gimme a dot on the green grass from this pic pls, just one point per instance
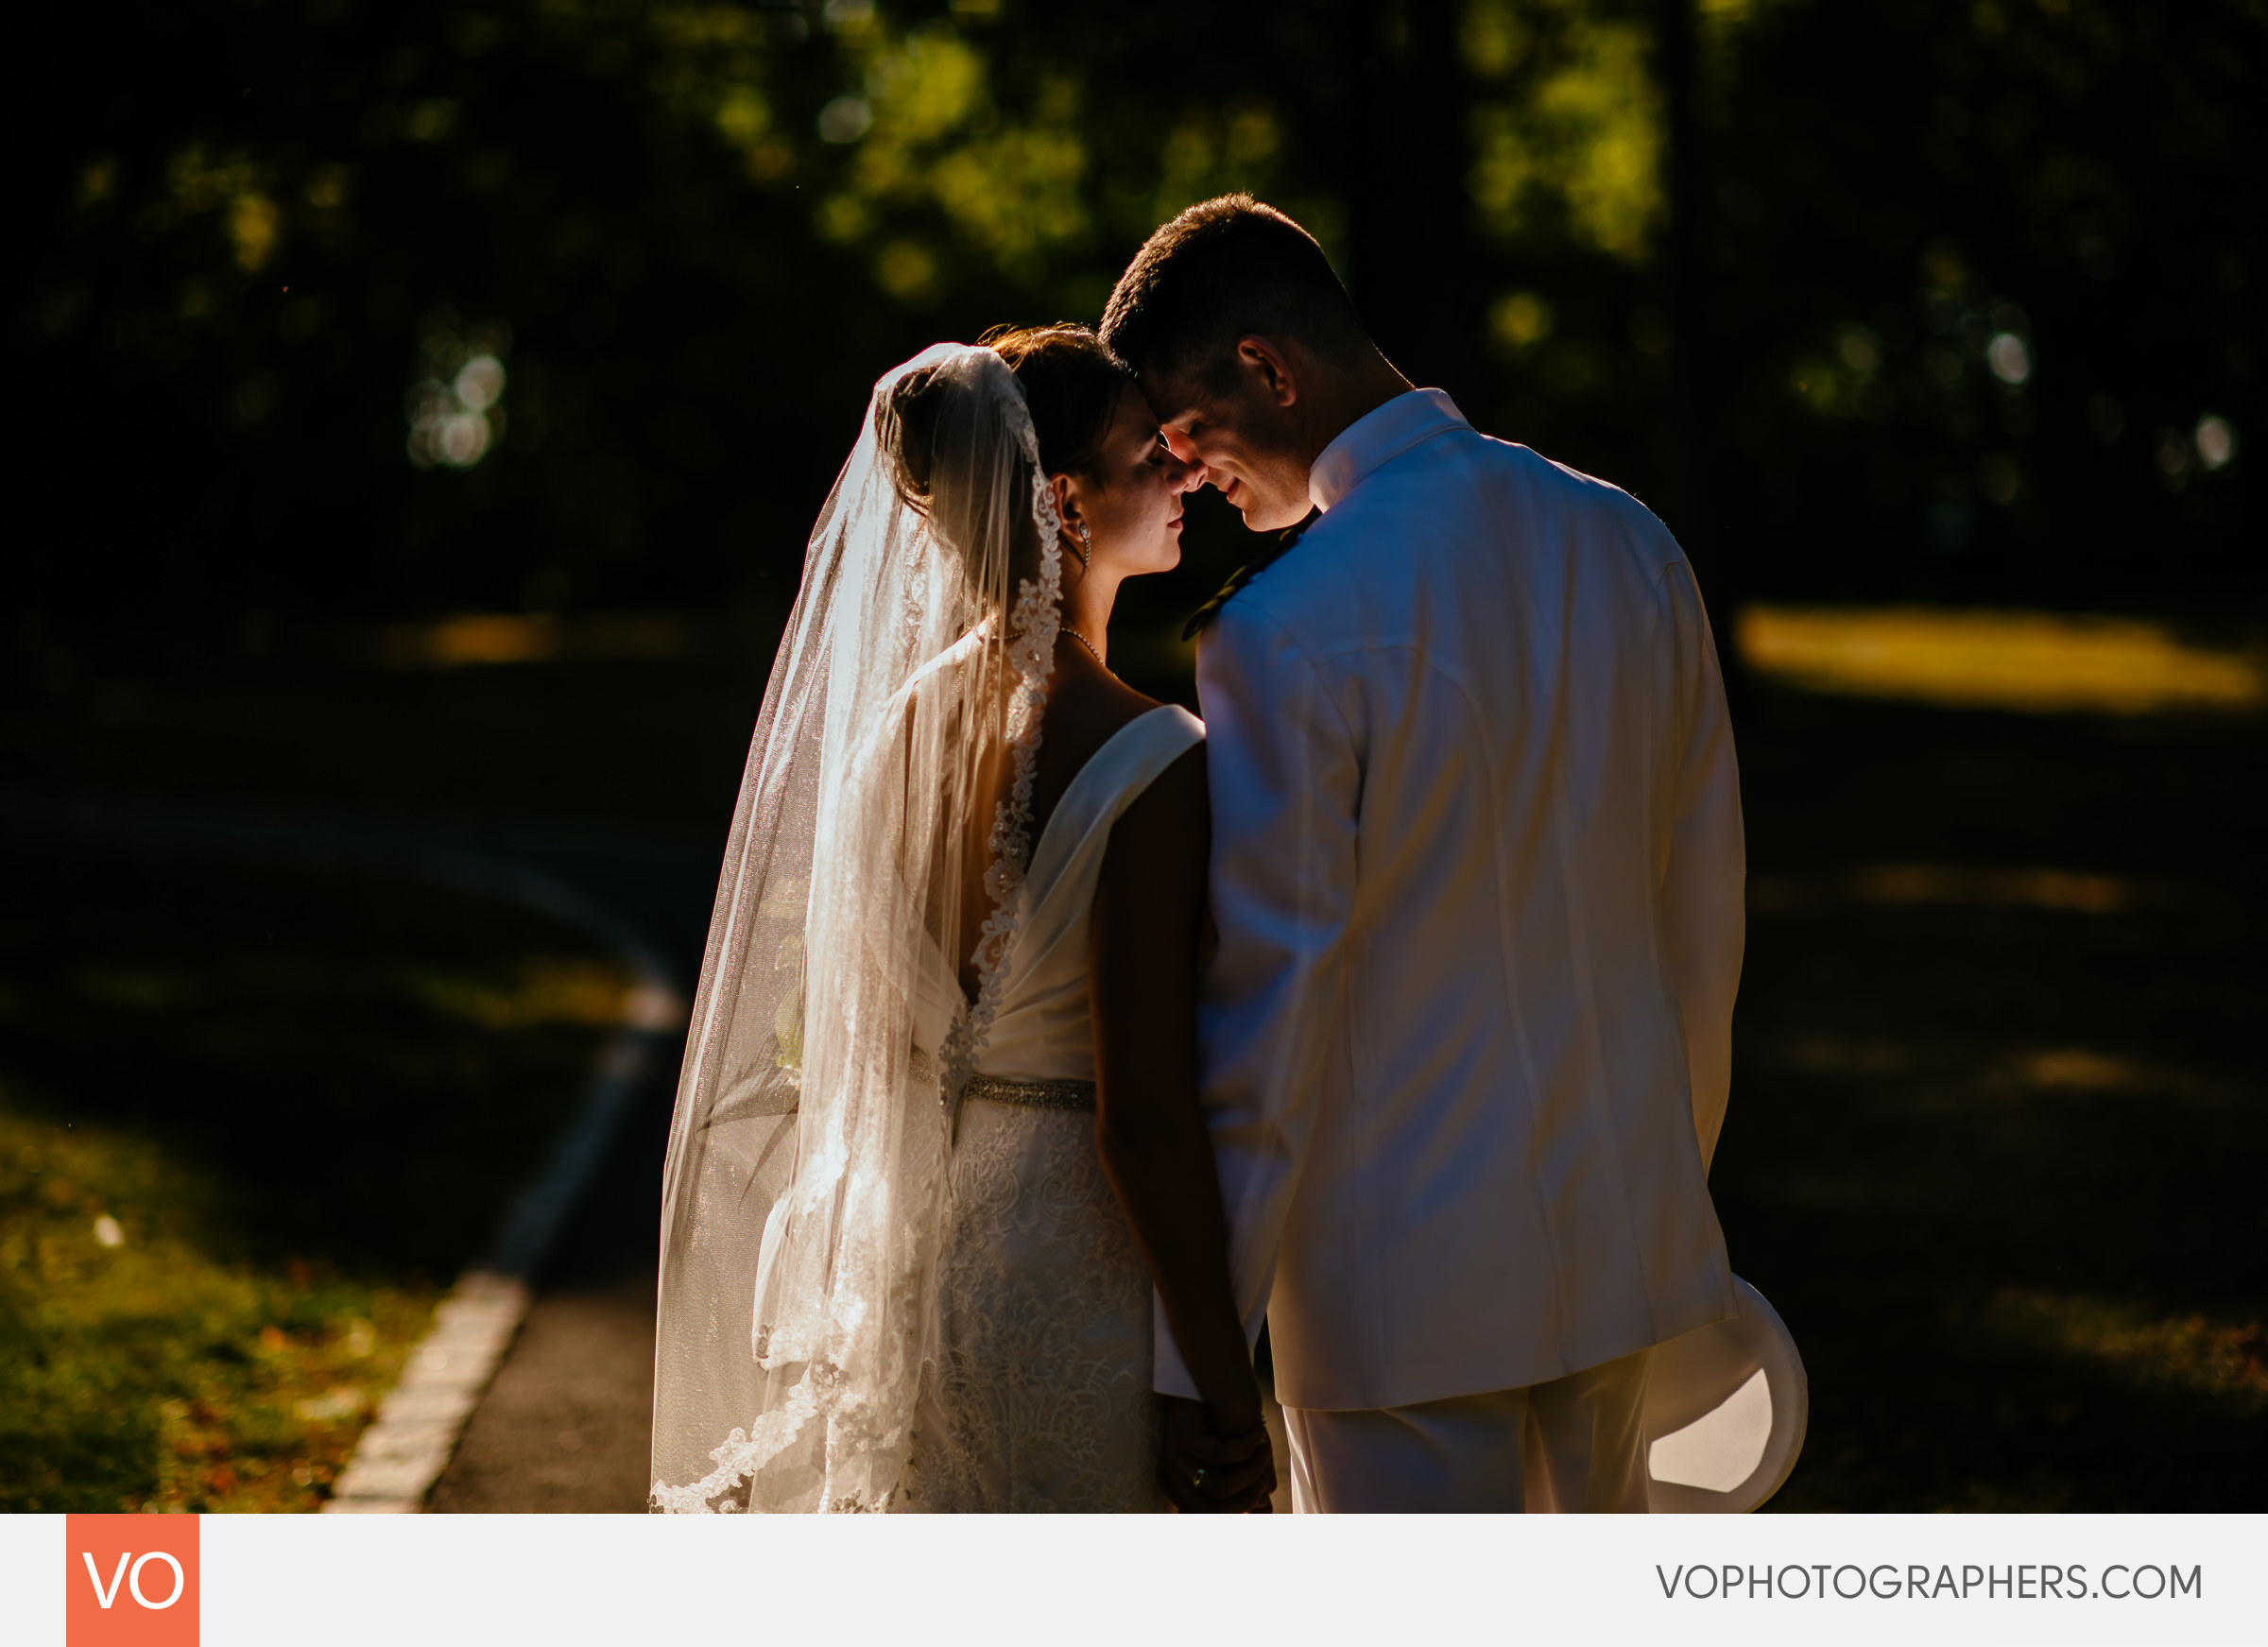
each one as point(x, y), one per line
point(295, 1106)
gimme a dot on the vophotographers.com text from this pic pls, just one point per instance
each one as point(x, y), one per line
point(1888, 1581)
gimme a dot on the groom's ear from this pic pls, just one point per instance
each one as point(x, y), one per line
point(1266, 366)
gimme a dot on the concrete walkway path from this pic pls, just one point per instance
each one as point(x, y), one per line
point(566, 1424)
point(567, 1421)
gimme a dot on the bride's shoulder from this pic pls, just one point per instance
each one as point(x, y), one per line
point(1085, 715)
point(1102, 709)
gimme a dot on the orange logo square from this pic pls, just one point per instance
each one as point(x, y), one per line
point(131, 1581)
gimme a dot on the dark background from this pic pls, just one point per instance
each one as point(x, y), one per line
point(1747, 257)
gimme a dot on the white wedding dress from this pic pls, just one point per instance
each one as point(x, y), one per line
point(1038, 1398)
point(892, 1273)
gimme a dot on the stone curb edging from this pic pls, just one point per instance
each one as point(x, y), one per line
point(405, 1450)
point(421, 1420)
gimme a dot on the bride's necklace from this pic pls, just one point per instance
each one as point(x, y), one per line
point(1088, 644)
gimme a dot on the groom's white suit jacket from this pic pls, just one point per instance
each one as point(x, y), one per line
point(1477, 867)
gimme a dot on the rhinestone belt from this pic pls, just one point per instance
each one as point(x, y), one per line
point(1033, 1095)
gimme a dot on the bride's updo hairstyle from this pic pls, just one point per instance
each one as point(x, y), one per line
point(915, 422)
point(1071, 383)
point(953, 460)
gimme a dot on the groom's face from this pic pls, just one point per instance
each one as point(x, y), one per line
point(1244, 433)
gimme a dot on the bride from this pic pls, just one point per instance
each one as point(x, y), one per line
point(937, 1138)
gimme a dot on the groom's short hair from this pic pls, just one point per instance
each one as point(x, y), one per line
point(1222, 270)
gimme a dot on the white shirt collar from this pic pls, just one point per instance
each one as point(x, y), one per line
point(1379, 434)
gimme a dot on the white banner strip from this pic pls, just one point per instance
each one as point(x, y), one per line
point(429, 1581)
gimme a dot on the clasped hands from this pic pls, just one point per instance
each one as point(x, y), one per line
point(1206, 1470)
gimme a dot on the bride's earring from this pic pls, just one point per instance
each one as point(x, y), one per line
point(1081, 546)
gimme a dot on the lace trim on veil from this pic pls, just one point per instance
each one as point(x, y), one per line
point(741, 1457)
point(1033, 628)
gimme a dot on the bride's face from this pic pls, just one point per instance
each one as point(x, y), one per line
point(1130, 504)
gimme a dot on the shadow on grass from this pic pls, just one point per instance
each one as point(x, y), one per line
point(250, 1124)
point(1996, 1135)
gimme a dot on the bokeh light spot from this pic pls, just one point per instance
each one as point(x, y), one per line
point(463, 439)
point(2008, 356)
point(1520, 319)
point(431, 120)
point(2216, 441)
point(846, 120)
point(253, 221)
point(455, 412)
point(906, 271)
point(480, 382)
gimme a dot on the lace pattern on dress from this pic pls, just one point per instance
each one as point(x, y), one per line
point(1038, 1398)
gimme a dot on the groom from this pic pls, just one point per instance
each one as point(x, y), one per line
point(1477, 868)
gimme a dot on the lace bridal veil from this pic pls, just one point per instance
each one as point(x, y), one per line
point(830, 1039)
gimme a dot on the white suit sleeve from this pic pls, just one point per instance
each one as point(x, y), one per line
point(1286, 782)
point(1703, 892)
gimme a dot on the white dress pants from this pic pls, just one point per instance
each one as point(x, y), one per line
point(1573, 1444)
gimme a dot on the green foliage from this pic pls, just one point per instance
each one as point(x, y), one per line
point(1566, 127)
point(1906, 187)
point(685, 237)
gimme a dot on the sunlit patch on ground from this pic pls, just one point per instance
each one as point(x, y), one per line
point(2034, 662)
point(2219, 1359)
point(512, 637)
point(1957, 884)
point(2082, 1070)
point(2042, 1070)
point(547, 991)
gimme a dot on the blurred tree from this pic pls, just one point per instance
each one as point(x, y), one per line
point(1981, 271)
point(554, 302)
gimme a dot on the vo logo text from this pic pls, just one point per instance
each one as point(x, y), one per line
point(131, 1581)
